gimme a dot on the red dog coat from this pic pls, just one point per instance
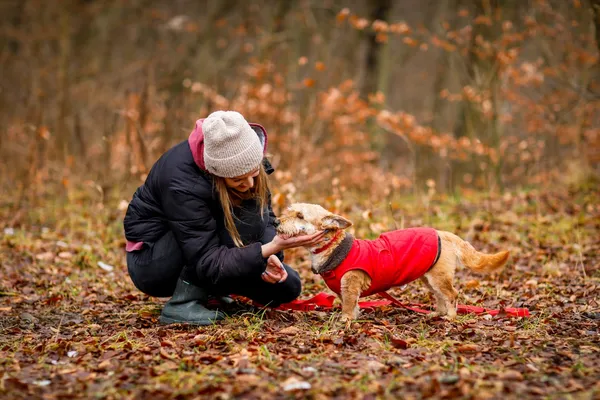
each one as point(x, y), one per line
point(394, 259)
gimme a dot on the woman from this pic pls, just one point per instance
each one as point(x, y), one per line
point(202, 224)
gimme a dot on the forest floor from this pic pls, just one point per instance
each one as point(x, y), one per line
point(72, 325)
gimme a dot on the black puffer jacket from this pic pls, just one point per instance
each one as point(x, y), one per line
point(178, 195)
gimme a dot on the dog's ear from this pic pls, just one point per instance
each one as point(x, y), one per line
point(334, 221)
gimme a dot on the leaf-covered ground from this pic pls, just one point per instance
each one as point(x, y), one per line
point(73, 326)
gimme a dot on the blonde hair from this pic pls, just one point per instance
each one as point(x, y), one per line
point(227, 198)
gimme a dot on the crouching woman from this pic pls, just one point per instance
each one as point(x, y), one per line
point(202, 224)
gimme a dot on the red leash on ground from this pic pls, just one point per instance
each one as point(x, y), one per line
point(325, 301)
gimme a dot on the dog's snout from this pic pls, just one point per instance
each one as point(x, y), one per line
point(276, 222)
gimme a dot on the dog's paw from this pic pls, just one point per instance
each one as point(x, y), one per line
point(346, 321)
point(434, 315)
point(348, 324)
point(447, 316)
point(451, 316)
point(345, 318)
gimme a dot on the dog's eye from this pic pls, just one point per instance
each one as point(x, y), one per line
point(300, 215)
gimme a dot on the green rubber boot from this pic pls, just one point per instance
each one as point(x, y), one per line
point(187, 307)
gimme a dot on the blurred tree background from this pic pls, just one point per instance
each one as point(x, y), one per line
point(479, 117)
point(358, 96)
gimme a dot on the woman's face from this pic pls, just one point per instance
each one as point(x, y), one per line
point(242, 183)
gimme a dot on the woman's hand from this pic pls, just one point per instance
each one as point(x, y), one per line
point(284, 242)
point(280, 243)
point(275, 272)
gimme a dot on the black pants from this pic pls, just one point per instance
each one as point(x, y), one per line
point(156, 268)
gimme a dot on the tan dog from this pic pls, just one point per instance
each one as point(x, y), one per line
point(356, 268)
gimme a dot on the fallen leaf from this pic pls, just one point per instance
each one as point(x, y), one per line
point(399, 343)
point(532, 283)
point(67, 371)
point(201, 339)
point(290, 330)
point(28, 317)
point(165, 354)
point(473, 283)
point(467, 348)
point(532, 367)
point(106, 364)
point(293, 383)
point(511, 375)
point(374, 365)
point(311, 370)
point(241, 360)
point(45, 256)
point(105, 266)
point(248, 379)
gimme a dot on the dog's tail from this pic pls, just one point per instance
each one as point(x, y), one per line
point(475, 260)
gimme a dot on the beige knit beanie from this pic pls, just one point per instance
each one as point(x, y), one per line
point(231, 147)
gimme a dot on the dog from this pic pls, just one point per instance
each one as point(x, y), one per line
point(354, 268)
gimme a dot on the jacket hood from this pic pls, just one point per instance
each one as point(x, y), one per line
point(196, 141)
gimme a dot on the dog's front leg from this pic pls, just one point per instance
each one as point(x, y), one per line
point(352, 285)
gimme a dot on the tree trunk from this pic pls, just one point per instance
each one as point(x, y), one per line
point(371, 58)
point(593, 152)
point(596, 11)
point(63, 132)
